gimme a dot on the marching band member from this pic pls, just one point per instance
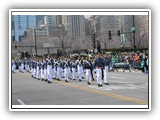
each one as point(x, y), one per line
point(66, 70)
point(73, 65)
point(80, 68)
point(88, 66)
point(49, 70)
point(98, 64)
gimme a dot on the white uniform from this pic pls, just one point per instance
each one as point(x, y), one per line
point(88, 71)
point(66, 71)
point(45, 70)
point(49, 71)
point(38, 71)
point(42, 70)
point(73, 70)
point(105, 74)
point(80, 70)
point(13, 66)
point(59, 71)
point(99, 76)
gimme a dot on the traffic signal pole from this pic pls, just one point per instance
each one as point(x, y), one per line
point(134, 39)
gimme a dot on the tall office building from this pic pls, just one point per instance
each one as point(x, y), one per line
point(75, 26)
point(52, 20)
point(20, 23)
point(106, 23)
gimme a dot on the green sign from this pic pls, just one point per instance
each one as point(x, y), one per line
point(122, 38)
point(133, 29)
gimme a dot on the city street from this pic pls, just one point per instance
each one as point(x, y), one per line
point(128, 88)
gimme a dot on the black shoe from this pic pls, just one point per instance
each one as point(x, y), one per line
point(49, 82)
point(46, 80)
point(99, 85)
point(88, 83)
point(73, 79)
point(106, 83)
point(42, 79)
point(82, 77)
point(66, 81)
point(92, 79)
point(59, 80)
point(38, 79)
point(80, 80)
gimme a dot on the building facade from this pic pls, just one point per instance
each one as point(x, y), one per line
point(75, 27)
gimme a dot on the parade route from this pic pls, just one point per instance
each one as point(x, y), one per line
point(124, 89)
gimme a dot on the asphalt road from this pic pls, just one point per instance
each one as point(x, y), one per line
point(124, 89)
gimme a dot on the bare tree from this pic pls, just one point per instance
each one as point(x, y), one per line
point(140, 39)
point(63, 40)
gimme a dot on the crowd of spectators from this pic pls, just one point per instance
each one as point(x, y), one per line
point(136, 60)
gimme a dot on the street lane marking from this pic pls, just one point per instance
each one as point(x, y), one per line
point(121, 87)
point(118, 78)
point(144, 102)
point(21, 102)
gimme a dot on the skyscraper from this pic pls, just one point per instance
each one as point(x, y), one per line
point(20, 23)
point(52, 20)
point(75, 26)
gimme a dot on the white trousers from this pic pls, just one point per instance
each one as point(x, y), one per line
point(42, 73)
point(73, 73)
point(80, 72)
point(34, 72)
point(45, 74)
point(38, 73)
point(88, 75)
point(59, 73)
point(13, 68)
point(99, 76)
point(66, 73)
point(105, 74)
point(54, 72)
point(22, 68)
point(49, 72)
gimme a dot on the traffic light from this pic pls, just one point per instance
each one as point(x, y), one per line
point(94, 40)
point(109, 33)
point(118, 33)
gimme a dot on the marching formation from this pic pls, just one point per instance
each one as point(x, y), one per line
point(48, 68)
